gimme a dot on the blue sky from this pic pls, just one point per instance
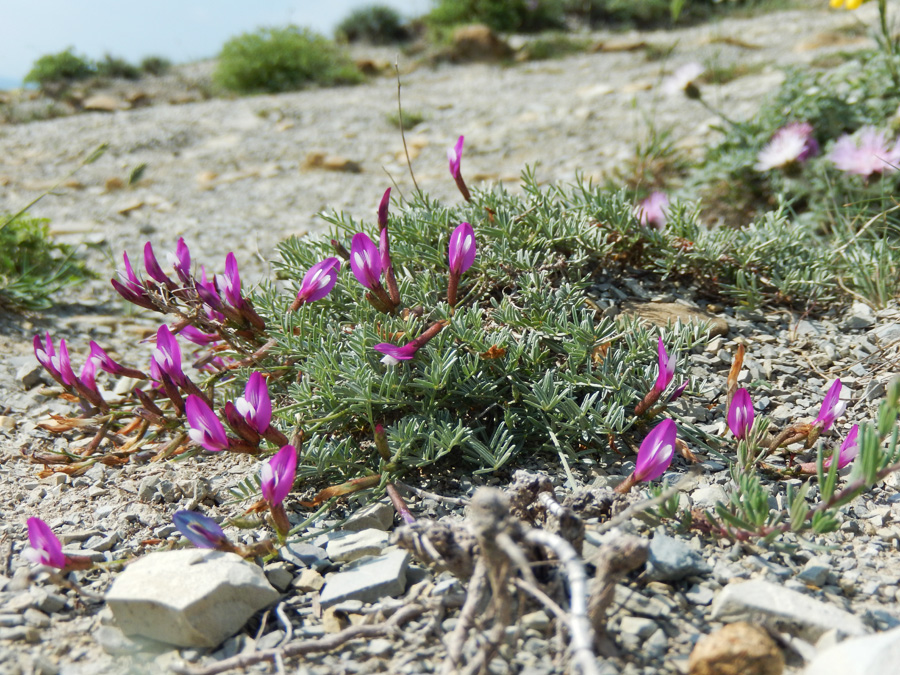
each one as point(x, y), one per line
point(180, 30)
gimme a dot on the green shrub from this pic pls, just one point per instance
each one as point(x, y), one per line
point(649, 13)
point(59, 68)
point(507, 16)
point(282, 59)
point(376, 24)
point(32, 266)
point(113, 66)
point(155, 65)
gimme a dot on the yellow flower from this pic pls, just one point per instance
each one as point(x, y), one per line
point(849, 4)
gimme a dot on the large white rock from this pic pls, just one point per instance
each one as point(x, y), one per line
point(783, 609)
point(189, 598)
point(870, 655)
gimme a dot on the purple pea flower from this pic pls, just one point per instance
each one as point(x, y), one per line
point(166, 357)
point(181, 261)
point(154, 271)
point(454, 157)
point(365, 261)
point(277, 475)
point(383, 209)
point(232, 282)
point(462, 248)
point(255, 406)
point(317, 282)
point(656, 452)
point(461, 255)
point(666, 367)
point(654, 456)
point(197, 336)
point(45, 548)
point(206, 429)
point(740, 414)
point(56, 364)
point(394, 354)
point(132, 289)
point(832, 407)
point(202, 531)
point(652, 211)
point(112, 367)
point(849, 449)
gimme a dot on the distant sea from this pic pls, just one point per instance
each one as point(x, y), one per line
point(9, 83)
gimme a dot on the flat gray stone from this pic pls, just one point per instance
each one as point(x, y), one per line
point(815, 573)
point(355, 545)
point(303, 555)
point(376, 516)
point(189, 598)
point(368, 580)
point(784, 610)
point(670, 559)
point(859, 656)
point(30, 375)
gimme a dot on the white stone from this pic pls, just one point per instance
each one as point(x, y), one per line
point(368, 580)
point(355, 545)
point(860, 656)
point(377, 516)
point(784, 609)
point(189, 598)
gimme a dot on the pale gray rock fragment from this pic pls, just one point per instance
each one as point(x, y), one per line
point(189, 598)
point(368, 579)
point(783, 609)
point(871, 655)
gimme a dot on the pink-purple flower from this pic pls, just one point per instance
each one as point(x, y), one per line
point(317, 282)
point(255, 406)
point(462, 248)
point(232, 282)
point(181, 261)
point(57, 364)
point(206, 428)
point(461, 255)
point(110, 366)
point(849, 449)
point(166, 358)
point(394, 354)
point(740, 414)
point(656, 452)
point(277, 475)
point(454, 157)
point(652, 210)
point(202, 531)
point(132, 289)
point(154, 271)
point(383, 209)
point(791, 144)
point(666, 367)
point(365, 261)
point(45, 548)
point(832, 407)
point(867, 152)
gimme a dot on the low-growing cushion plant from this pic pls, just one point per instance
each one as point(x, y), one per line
point(282, 59)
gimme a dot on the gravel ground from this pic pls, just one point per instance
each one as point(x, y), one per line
point(234, 175)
